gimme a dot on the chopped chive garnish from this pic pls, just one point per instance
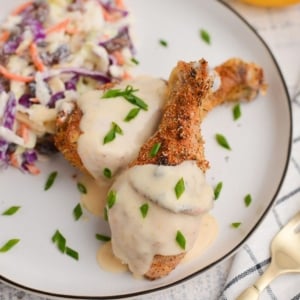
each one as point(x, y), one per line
point(11, 211)
point(217, 190)
point(107, 173)
point(248, 200)
point(135, 61)
point(77, 212)
point(105, 214)
point(179, 188)
point(163, 43)
point(50, 180)
point(180, 239)
point(154, 150)
point(111, 199)
point(9, 244)
point(144, 209)
point(61, 244)
point(236, 112)
point(205, 36)
point(102, 237)
point(81, 188)
point(222, 141)
point(111, 135)
point(72, 253)
point(127, 94)
point(132, 114)
point(236, 224)
point(59, 240)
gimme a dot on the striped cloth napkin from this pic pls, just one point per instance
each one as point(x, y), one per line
point(254, 257)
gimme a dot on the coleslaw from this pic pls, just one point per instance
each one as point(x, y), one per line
point(51, 51)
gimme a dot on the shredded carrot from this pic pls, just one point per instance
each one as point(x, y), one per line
point(21, 8)
point(15, 77)
point(119, 57)
point(59, 26)
point(120, 4)
point(33, 169)
point(109, 17)
point(4, 36)
point(23, 132)
point(72, 30)
point(126, 76)
point(34, 100)
point(35, 57)
point(13, 159)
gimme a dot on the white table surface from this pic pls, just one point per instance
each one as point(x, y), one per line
point(280, 28)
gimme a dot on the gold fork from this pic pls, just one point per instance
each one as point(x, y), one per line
point(285, 253)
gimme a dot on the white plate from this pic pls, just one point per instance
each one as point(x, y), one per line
point(257, 164)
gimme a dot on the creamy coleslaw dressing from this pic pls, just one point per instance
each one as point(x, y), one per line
point(136, 240)
point(96, 122)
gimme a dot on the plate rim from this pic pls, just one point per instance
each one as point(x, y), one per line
point(38, 292)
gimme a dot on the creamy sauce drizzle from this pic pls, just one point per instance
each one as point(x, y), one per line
point(96, 122)
point(136, 240)
point(95, 198)
point(157, 183)
point(107, 260)
point(208, 232)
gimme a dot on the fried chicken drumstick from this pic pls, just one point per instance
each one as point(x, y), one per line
point(238, 80)
point(177, 141)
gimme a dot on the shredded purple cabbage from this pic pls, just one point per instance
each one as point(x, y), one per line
point(108, 5)
point(3, 155)
point(24, 100)
point(9, 111)
point(29, 156)
point(12, 45)
point(55, 97)
point(119, 41)
point(97, 75)
point(71, 83)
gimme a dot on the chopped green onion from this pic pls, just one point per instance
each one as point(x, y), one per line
point(179, 188)
point(135, 61)
point(236, 224)
point(222, 141)
point(77, 212)
point(72, 253)
point(50, 180)
point(180, 239)
point(154, 150)
point(132, 114)
point(105, 214)
point(81, 188)
point(218, 189)
point(127, 94)
point(248, 200)
point(102, 237)
point(61, 244)
point(205, 36)
point(107, 173)
point(111, 135)
point(111, 199)
point(144, 209)
point(236, 111)
point(163, 43)
point(59, 240)
point(11, 211)
point(8, 245)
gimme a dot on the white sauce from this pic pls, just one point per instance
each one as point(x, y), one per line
point(95, 198)
point(157, 183)
point(136, 240)
point(98, 115)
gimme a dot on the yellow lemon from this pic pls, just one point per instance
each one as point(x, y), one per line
point(271, 3)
